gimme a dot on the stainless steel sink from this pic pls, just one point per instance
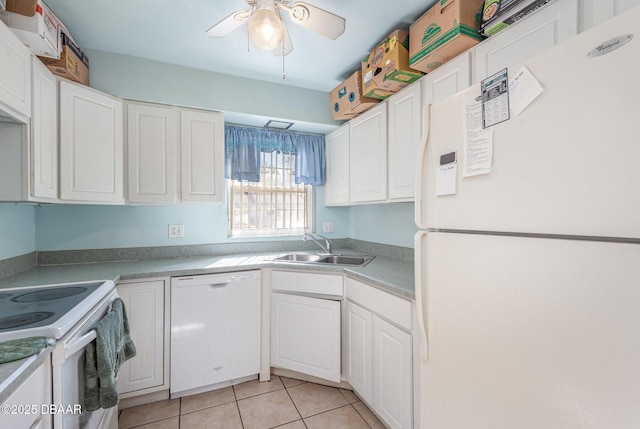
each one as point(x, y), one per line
point(299, 257)
point(325, 259)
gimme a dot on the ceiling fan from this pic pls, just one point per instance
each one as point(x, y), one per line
point(267, 29)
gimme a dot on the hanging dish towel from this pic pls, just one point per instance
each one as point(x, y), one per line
point(103, 357)
point(23, 347)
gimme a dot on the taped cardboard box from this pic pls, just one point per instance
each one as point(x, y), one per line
point(22, 7)
point(39, 32)
point(73, 63)
point(445, 31)
point(347, 100)
point(386, 70)
point(499, 14)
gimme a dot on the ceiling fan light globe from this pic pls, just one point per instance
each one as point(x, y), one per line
point(266, 29)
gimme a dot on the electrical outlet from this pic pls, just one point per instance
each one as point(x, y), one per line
point(327, 227)
point(176, 231)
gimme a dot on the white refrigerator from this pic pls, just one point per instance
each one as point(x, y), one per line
point(528, 275)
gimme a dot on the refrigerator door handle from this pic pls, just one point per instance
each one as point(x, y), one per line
point(419, 295)
point(420, 165)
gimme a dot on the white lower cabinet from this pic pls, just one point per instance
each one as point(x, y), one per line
point(31, 394)
point(305, 323)
point(392, 387)
point(145, 303)
point(379, 352)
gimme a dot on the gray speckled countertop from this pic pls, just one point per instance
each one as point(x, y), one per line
point(390, 274)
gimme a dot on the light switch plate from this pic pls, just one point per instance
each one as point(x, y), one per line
point(327, 227)
point(176, 231)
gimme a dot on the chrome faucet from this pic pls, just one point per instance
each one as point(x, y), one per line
point(327, 243)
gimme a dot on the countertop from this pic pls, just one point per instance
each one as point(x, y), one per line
point(389, 274)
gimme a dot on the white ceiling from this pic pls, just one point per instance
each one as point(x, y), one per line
point(174, 32)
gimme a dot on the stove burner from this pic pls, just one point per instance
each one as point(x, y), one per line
point(49, 294)
point(16, 321)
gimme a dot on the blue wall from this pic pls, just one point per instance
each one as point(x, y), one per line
point(24, 229)
point(17, 230)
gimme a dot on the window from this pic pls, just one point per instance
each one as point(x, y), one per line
point(275, 205)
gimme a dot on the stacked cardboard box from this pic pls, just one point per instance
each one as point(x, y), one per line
point(446, 30)
point(347, 100)
point(36, 26)
point(73, 64)
point(386, 69)
point(40, 29)
point(499, 14)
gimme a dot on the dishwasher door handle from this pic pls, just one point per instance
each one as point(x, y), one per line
point(219, 285)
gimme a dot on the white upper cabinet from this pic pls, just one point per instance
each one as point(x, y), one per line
point(368, 156)
point(451, 77)
point(544, 29)
point(594, 12)
point(404, 127)
point(15, 76)
point(174, 155)
point(336, 188)
point(153, 141)
point(202, 150)
point(91, 145)
point(44, 134)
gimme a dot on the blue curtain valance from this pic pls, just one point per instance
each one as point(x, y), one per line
point(244, 144)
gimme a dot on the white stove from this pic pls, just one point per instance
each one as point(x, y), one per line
point(48, 311)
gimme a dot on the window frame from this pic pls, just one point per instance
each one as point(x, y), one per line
point(288, 232)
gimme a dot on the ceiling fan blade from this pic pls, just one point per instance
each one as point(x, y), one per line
point(230, 23)
point(315, 19)
point(288, 46)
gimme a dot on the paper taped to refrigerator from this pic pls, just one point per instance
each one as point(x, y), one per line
point(478, 143)
point(523, 89)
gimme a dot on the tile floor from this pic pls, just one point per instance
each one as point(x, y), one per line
point(283, 403)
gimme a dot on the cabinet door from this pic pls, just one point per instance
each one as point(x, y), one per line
point(305, 335)
point(393, 388)
point(359, 371)
point(202, 140)
point(446, 80)
point(91, 145)
point(44, 133)
point(594, 12)
point(336, 188)
point(368, 156)
point(152, 153)
point(405, 126)
point(546, 28)
point(15, 74)
point(144, 302)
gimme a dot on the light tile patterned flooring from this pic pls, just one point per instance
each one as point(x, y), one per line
point(283, 403)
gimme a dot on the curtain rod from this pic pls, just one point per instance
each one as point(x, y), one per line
point(273, 129)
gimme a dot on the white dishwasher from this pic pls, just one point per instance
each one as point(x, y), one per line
point(215, 331)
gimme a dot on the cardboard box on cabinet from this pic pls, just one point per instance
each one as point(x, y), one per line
point(23, 7)
point(386, 69)
point(445, 31)
point(499, 14)
point(73, 64)
point(347, 100)
point(39, 32)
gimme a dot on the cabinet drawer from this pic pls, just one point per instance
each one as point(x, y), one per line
point(325, 284)
point(34, 391)
point(396, 310)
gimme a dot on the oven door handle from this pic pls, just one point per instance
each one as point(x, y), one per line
point(76, 345)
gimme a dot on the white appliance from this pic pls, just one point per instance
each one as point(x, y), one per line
point(215, 331)
point(528, 277)
point(65, 312)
